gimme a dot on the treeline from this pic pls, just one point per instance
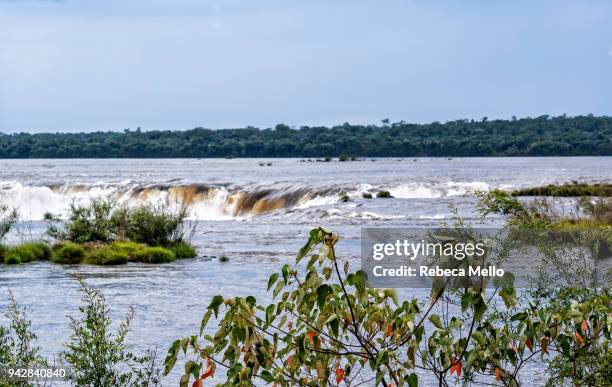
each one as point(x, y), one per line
point(541, 136)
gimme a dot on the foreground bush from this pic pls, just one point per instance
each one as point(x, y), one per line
point(69, 253)
point(328, 327)
point(17, 341)
point(155, 255)
point(99, 357)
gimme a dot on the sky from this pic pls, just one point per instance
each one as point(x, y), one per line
point(70, 65)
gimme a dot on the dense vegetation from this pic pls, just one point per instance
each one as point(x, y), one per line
point(567, 190)
point(542, 136)
point(101, 233)
point(327, 327)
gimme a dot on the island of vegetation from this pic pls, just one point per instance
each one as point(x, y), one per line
point(103, 234)
point(541, 136)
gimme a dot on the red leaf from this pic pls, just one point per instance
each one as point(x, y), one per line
point(579, 339)
point(584, 325)
point(529, 344)
point(498, 373)
point(339, 375)
point(456, 368)
point(312, 335)
point(210, 371)
point(197, 383)
point(389, 329)
point(544, 344)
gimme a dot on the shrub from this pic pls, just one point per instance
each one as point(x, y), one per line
point(32, 251)
point(155, 255)
point(153, 225)
point(128, 248)
point(69, 253)
point(17, 341)
point(384, 194)
point(183, 249)
point(344, 198)
point(224, 258)
point(8, 217)
point(86, 224)
point(106, 255)
point(99, 357)
point(366, 195)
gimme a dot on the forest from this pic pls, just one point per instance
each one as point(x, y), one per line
point(541, 136)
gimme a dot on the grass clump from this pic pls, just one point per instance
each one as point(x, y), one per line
point(155, 255)
point(344, 198)
point(366, 195)
point(183, 249)
point(224, 258)
point(11, 258)
point(106, 255)
point(31, 251)
point(69, 253)
point(384, 194)
point(128, 248)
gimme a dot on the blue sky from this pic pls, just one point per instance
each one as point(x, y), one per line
point(68, 65)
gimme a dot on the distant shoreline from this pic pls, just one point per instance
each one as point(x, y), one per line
point(541, 136)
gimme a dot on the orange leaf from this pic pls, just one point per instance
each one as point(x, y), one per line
point(290, 361)
point(456, 368)
point(579, 339)
point(514, 346)
point(339, 375)
point(529, 344)
point(544, 344)
point(389, 329)
point(498, 373)
point(584, 325)
point(210, 371)
point(312, 335)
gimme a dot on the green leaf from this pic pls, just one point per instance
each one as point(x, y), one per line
point(266, 376)
point(322, 292)
point(285, 271)
point(272, 280)
point(519, 316)
point(479, 338)
point(269, 314)
point(436, 321)
point(465, 301)
point(171, 357)
point(205, 320)
point(412, 380)
point(215, 303)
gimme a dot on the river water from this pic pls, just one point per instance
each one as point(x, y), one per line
point(257, 212)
